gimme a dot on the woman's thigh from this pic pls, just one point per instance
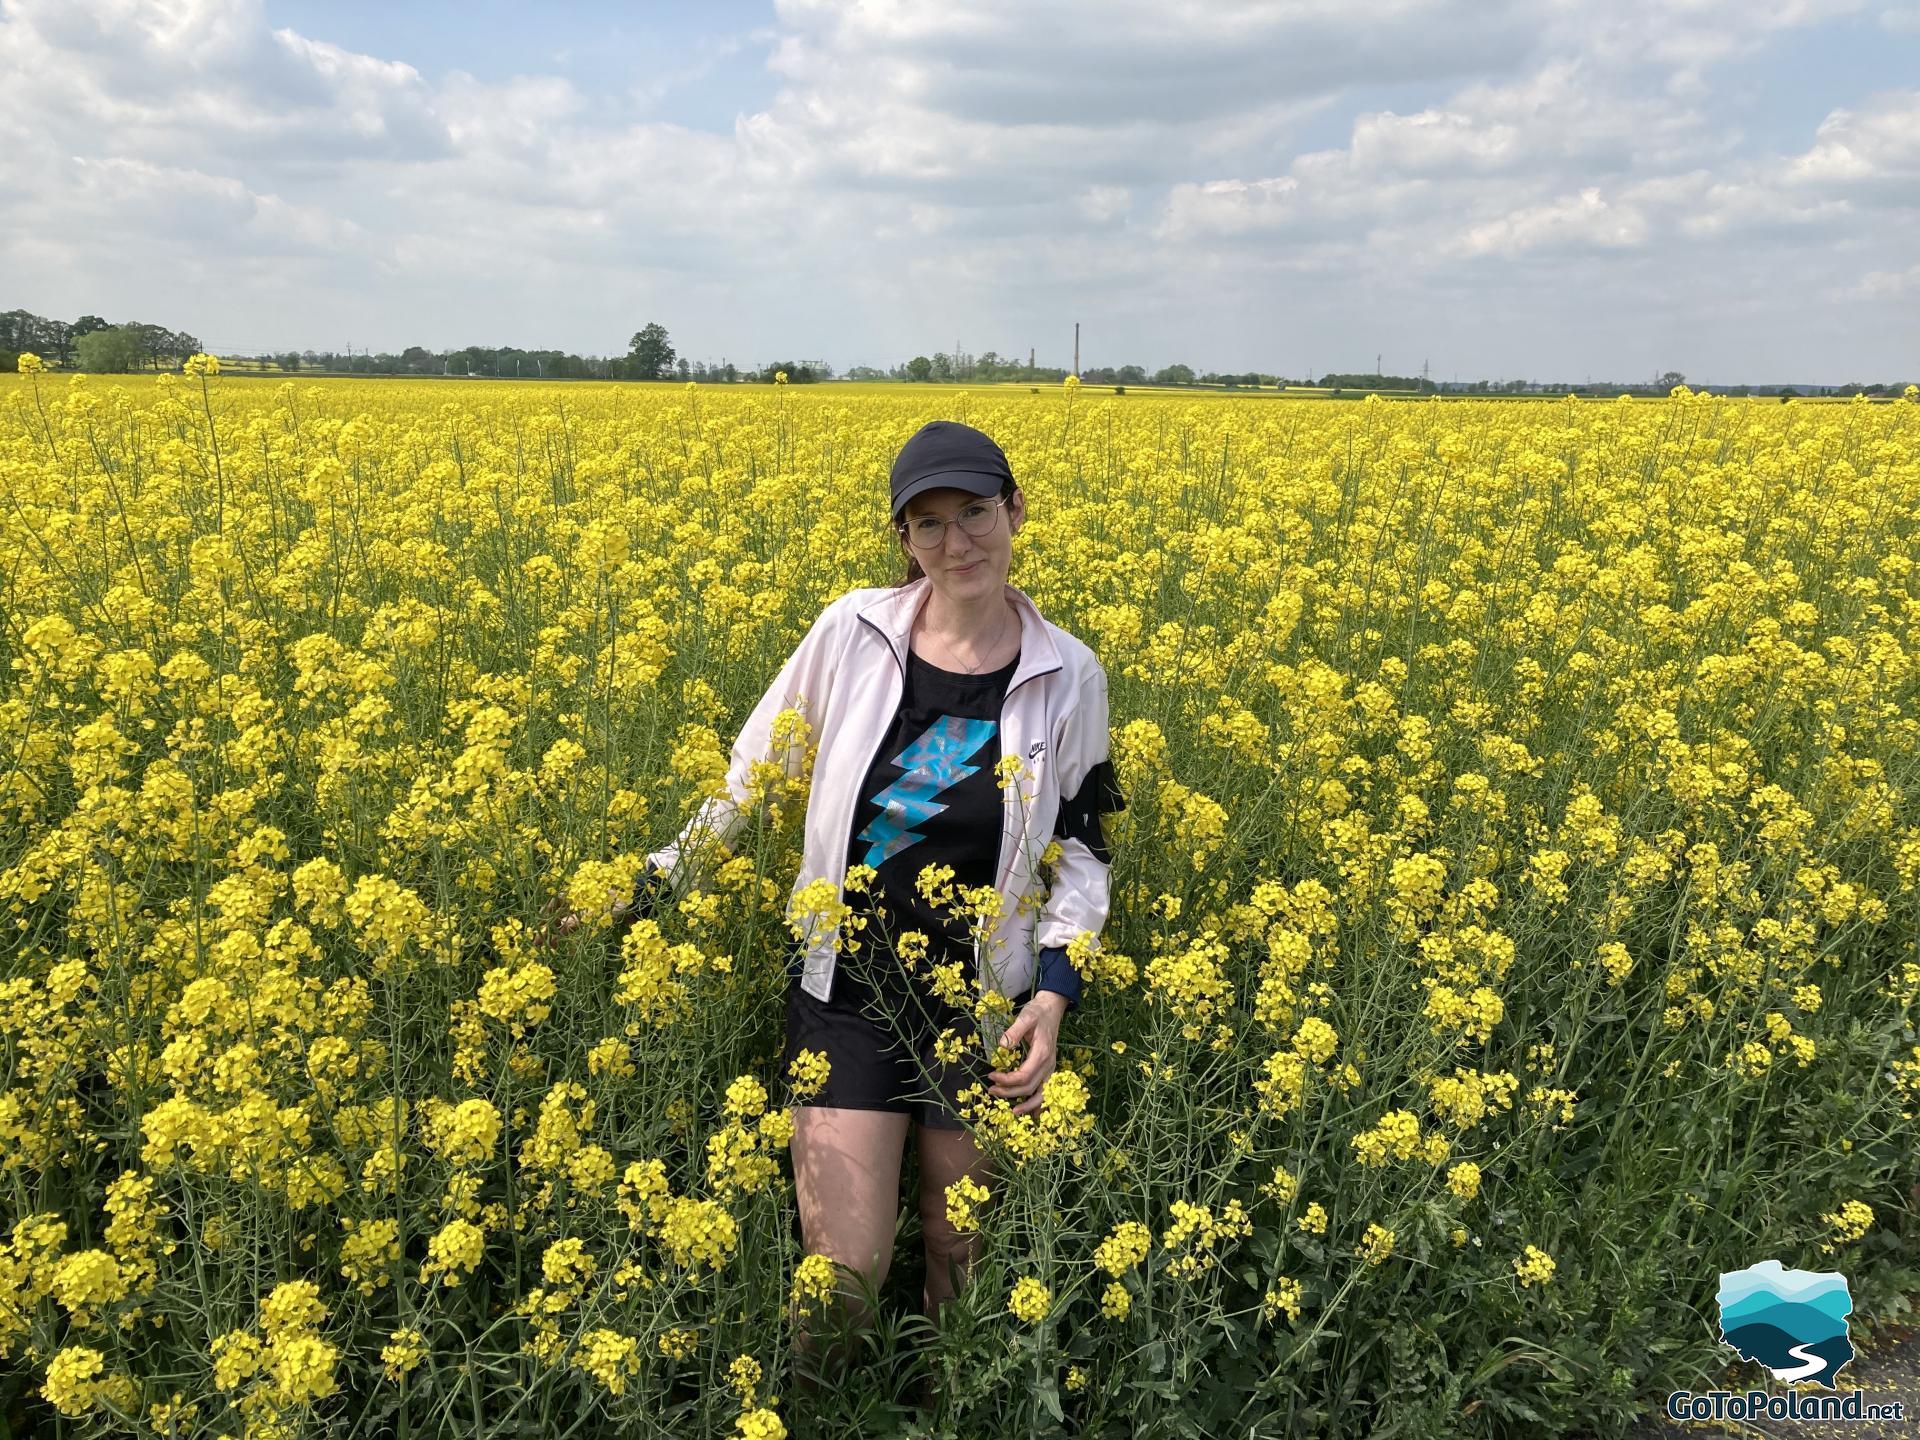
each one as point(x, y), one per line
point(846, 1172)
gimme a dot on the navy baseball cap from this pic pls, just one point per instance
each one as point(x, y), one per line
point(946, 453)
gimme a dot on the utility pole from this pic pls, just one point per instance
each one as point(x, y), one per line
point(1076, 347)
point(1376, 365)
point(1029, 357)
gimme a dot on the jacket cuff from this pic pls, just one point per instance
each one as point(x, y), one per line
point(1057, 974)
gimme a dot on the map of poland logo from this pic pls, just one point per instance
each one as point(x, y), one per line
point(1794, 1322)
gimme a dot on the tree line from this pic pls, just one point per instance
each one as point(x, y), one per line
point(90, 343)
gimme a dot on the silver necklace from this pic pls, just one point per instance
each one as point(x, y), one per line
point(974, 668)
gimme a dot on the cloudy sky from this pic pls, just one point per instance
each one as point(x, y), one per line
point(1498, 188)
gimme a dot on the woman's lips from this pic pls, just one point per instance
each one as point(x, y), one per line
point(965, 568)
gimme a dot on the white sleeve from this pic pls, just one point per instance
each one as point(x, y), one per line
point(801, 684)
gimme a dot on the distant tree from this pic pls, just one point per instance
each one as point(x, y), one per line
point(56, 341)
point(1131, 375)
point(920, 368)
point(1174, 375)
point(1671, 379)
point(150, 341)
point(112, 351)
point(648, 354)
point(418, 360)
point(730, 372)
point(18, 330)
point(942, 365)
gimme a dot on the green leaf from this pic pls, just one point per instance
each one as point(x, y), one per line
point(1050, 1400)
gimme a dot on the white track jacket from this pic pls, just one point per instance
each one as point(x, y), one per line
point(846, 677)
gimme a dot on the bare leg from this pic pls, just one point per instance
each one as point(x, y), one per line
point(946, 1156)
point(846, 1171)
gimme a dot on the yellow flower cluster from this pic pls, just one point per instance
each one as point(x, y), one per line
point(814, 1282)
point(1377, 1244)
point(1282, 1297)
point(1534, 1266)
point(271, 1379)
point(1851, 1221)
point(964, 1197)
point(1467, 1097)
point(1030, 1300)
point(1195, 1231)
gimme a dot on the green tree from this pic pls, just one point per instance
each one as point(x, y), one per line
point(112, 351)
point(1174, 375)
point(919, 368)
point(649, 355)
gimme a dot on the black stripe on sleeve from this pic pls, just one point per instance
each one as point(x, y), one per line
point(1080, 813)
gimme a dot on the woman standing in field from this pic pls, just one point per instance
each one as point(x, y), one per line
point(921, 696)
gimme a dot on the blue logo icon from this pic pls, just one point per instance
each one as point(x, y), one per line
point(934, 763)
point(1794, 1322)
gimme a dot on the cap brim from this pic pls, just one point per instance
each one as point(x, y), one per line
point(974, 482)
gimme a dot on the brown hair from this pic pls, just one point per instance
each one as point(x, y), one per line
point(914, 572)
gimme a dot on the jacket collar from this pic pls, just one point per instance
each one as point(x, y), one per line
point(892, 614)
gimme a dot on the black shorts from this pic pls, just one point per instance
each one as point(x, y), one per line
point(878, 1033)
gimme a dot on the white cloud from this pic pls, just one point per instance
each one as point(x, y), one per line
point(1874, 150)
point(1572, 222)
point(1884, 285)
point(993, 169)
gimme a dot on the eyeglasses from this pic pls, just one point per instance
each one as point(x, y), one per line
point(976, 518)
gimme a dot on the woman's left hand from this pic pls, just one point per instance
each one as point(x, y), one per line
point(1037, 1028)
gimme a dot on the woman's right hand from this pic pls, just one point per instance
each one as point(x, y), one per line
point(622, 907)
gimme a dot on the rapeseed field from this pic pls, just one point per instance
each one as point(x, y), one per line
point(1514, 919)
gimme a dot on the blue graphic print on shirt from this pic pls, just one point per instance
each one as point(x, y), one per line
point(934, 763)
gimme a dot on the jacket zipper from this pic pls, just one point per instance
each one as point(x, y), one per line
point(853, 807)
point(1006, 868)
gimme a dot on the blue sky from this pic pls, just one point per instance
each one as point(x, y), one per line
point(1549, 189)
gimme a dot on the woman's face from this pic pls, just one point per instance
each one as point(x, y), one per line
point(963, 566)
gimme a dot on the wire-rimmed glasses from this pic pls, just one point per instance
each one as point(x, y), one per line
point(976, 518)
